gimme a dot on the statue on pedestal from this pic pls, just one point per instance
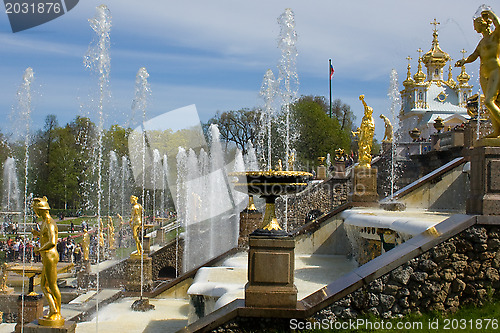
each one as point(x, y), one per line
point(488, 51)
point(111, 233)
point(86, 244)
point(48, 280)
point(388, 129)
point(136, 223)
point(365, 136)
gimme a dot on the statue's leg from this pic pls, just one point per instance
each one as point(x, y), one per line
point(491, 94)
point(55, 307)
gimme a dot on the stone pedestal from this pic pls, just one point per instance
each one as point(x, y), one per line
point(271, 273)
point(33, 309)
point(250, 220)
point(364, 186)
point(133, 274)
point(146, 245)
point(68, 327)
point(485, 181)
point(321, 175)
point(339, 169)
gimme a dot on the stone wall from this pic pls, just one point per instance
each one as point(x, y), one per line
point(315, 200)
point(460, 271)
point(166, 257)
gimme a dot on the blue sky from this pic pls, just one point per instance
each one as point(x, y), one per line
point(215, 53)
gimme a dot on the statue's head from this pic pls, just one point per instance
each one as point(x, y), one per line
point(481, 24)
point(40, 204)
point(133, 199)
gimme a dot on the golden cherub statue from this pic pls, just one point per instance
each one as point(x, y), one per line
point(388, 129)
point(365, 136)
point(48, 279)
point(488, 51)
point(136, 223)
point(3, 282)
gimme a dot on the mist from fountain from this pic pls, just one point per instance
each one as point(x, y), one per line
point(125, 187)
point(11, 194)
point(207, 207)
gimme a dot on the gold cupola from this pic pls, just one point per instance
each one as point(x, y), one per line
point(450, 80)
point(463, 78)
point(419, 76)
point(435, 59)
point(409, 81)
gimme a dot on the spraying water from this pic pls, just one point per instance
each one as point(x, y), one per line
point(24, 99)
point(394, 97)
point(98, 60)
point(11, 200)
point(288, 78)
point(268, 92)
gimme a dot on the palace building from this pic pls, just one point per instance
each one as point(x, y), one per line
point(427, 96)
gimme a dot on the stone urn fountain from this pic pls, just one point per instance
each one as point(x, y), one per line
point(270, 185)
point(271, 254)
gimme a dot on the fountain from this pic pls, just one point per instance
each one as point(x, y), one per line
point(11, 200)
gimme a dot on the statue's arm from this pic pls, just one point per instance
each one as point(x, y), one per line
point(51, 239)
point(471, 58)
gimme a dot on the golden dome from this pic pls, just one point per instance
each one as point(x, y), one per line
point(435, 56)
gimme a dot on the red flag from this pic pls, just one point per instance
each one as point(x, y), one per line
point(331, 71)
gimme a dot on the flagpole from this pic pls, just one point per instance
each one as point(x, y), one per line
point(330, 75)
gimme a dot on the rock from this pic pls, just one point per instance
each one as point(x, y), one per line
point(492, 274)
point(486, 255)
point(436, 307)
point(402, 275)
point(459, 266)
point(472, 268)
point(448, 274)
point(428, 265)
point(374, 311)
point(480, 247)
point(391, 289)
point(419, 276)
point(375, 286)
point(349, 314)
point(493, 244)
point(476, 234)
point(345, 302)
point(387, 301)
point(430, 289)
point(442, 251)
point(403, 292)
point(415, 294)
point(457, 286)
point(440, 296)
point(373, 300)
point(142, 305)
point(463, 246)
point(403, 302)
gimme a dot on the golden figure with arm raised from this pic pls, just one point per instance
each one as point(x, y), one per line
point(488, 51)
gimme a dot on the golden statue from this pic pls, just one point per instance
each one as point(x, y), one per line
point(340, 154)
point(48, 280)
point(365, 136)
point(86, 245)
point(488, 51)
point(3, 282)
point(101, 235)
point(388, 129)
point(111, 233)
point(136, 223)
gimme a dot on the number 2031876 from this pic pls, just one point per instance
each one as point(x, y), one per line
point(32, 8)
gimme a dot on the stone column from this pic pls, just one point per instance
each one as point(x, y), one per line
point(33, 309)
point(250, 220)
point(133, 274)
point(271, 266)
point(364, 186)
point(485, 181)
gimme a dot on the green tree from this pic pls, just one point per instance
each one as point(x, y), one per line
point(319, 134)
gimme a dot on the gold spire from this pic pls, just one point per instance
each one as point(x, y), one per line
point(435, 58)
point(463, 77)
point(419, 76)
point(409, 81)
